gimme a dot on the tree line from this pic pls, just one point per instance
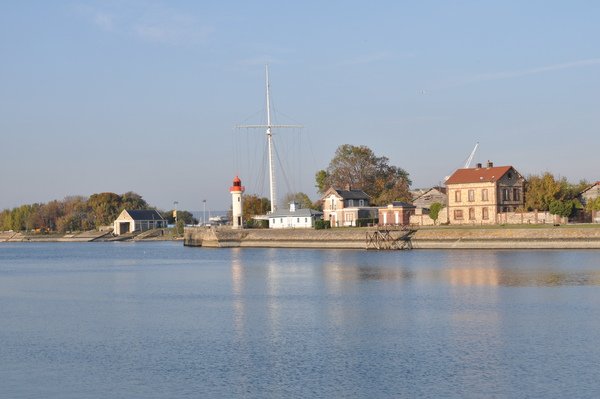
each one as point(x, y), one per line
point(79, 213)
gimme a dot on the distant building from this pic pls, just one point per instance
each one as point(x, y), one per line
point(480, 194)
point(293, 218)
point(424, 198)
point(345, 207)
point(590, 194)
point(396, 214)
point(129, 221)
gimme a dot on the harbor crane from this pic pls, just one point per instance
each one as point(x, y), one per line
point(470, 158)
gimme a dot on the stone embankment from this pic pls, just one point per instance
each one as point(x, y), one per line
point(425, 238)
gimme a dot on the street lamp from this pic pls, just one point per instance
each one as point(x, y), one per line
point(204, 212)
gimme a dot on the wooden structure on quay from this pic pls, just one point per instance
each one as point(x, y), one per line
point(390, 237)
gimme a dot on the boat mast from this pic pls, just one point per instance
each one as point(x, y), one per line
point(269, 126)
point(270, 145)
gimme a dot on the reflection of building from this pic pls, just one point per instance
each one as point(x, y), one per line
point(345, 207)
point(138, 220)
point(474, 276)
point(294, 218)
point(480, 194)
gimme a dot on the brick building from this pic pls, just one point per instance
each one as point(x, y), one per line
point(479, 195)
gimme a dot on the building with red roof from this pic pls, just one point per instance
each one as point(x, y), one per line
point(478, 195)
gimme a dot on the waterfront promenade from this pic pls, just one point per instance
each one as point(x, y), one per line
point(496, 237)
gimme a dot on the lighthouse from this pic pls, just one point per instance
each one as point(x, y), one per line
point(236, 203)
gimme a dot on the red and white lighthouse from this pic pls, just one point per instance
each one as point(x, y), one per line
point(236, 203)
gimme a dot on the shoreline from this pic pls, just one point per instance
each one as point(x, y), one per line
point(587, 237)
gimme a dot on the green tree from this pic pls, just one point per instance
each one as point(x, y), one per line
point(300, 198)
point(105, 208)
point(434, 210)
point(133, 201)
point(358, 167)
point(541, 191)
point(254, 205)
point(593, 205)
point(562, 208)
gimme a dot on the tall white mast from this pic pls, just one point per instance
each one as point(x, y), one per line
point(269, 127)
point(273, 197)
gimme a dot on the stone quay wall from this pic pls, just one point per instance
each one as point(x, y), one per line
point(425, 238)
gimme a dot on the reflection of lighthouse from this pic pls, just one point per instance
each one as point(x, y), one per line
point(236, 202)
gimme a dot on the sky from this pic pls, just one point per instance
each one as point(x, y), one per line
point(145, 96)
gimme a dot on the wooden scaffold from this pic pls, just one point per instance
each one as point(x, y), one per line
point(390, 237)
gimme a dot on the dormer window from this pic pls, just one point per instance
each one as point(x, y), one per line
point(361, 202)
point(350, 202)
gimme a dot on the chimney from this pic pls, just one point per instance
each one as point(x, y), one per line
point(490, 164)
point(348, 187)
point(479, 166)
point(293, 206)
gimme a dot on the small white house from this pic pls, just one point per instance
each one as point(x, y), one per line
point(138, 220)
point(294, 218)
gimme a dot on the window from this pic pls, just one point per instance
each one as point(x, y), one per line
point(281, 220)
point(484, 194)
point(332, 203)
point(458, 214)
point(350, 202)
point(471, 195)
point(457, 196)
point(471, 213)
point(484, 214)
point(505, 194)
point(361, 202)
point(516, 194)
point(305, 220)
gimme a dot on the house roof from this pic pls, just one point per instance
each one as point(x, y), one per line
point(402, 204)
point(348, 194)
point(590, 187)
point(478, 175)
point(144, 214)
point(440, 190)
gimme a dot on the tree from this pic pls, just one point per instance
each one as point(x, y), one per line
point(434, 210)
point(562, 208)
point(105, 208)
point(254, 205)
point(133, 201)
point(358, 167)
point(593, 205)
point(300, 198)
point(541, 191)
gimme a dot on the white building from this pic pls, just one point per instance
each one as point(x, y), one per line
point(129, 221)
point(294, 218)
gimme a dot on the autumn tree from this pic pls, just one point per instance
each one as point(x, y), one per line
point(359, 168)
point(254, 205)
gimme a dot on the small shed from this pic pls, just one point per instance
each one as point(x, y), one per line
point(396, 214)
point(129, 221)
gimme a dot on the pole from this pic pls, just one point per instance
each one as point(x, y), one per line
point(204, 213)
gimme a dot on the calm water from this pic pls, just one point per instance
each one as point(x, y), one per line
point(157, 320)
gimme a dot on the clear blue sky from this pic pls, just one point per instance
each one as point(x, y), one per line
point(143, 95)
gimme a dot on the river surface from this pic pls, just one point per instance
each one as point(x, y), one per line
point(158, 320)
